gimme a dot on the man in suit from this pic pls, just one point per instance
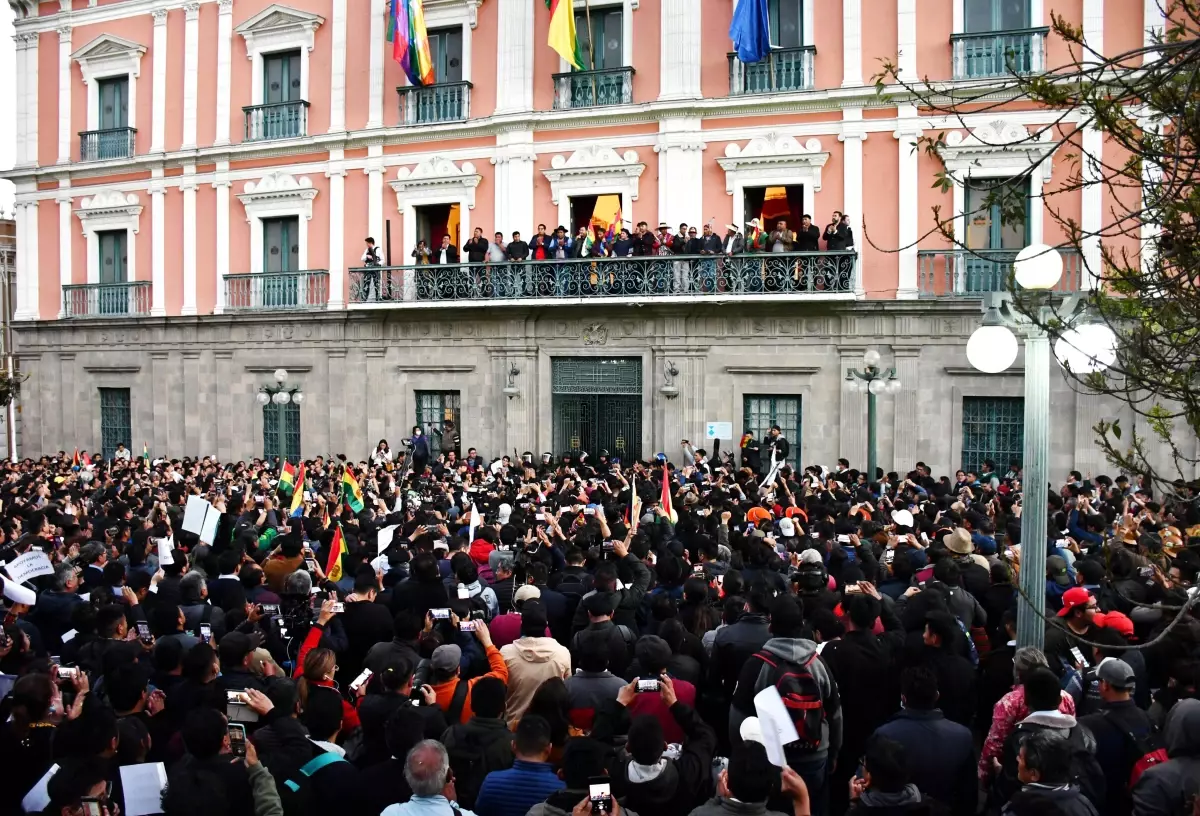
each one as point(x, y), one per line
point(808, 239)
point(518, 252)
point(732, 244)
point(445, 255)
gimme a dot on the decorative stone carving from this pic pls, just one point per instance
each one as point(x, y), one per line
point(997, 148)
point(596, 334)
point(594, 166)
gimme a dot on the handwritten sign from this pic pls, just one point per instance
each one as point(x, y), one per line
point(30, 565)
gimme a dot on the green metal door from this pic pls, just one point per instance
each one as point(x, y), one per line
point(995, 15)
point(114, 102)
point(434, 410)
point(112, 298)
point(115, 422)
point(597, 405)
point(281, 257)
point(995, 232)
point(761, 411)
point(992, 428)
point(281, 421)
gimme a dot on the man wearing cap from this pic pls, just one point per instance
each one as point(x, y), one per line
point(446, 660)
point(532, 659)
point(1074, 621)
point(235, 650)
point(1118, 719)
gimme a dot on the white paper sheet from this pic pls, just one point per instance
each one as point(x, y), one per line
point(142, 786)
point(208, 532)
point(69, 635)
point(38, 797)
point(30, 565)
point(194, 514)
point(778, 729)
point(385, 538)
point(166, 550)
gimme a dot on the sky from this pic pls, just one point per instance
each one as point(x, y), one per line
point(8, 136)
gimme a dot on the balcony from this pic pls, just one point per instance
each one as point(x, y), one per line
point(433, 104)
point(107, 299)
point(102, 145)
point(971, 274)
point(277, 291)
point(784, 69)
point(590, 89)
point(999, 53)
point(817, 275)
point(276, 120)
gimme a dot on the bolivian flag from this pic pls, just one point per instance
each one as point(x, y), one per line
point(333, 567)
point(562, 37)
point(287, 479)
point(666, 497)
point(351, 493)
point(298, 493)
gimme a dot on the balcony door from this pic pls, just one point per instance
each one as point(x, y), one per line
point(281, 85)
point(114, 103)
point(984, 16)
point(602, 40)
point(281, 256)
point(995, 232)
point(445, 48)
point(785, 19)
point(113, 270)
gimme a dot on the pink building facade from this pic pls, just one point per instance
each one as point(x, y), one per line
point(195, 182)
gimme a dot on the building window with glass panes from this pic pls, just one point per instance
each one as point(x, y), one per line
point(281, 431)
point(438, 417)
point(760, 412)
point(115, 420)
point(992, 428)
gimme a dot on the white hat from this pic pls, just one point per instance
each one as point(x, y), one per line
point(732, 227)
point(503, 513)
point(786, 527)
point(19, 594)
point(751, 730)
point(753, 222)
point(903, 518)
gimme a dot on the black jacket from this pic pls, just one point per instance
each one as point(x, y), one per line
point(808, 240)
point(625, 601)
point(956, 682)
point(517, 251)
point(435, 255)
point(732, 645)
point(476, 748)
point(947, 773)
point(476, 250)
point(366, 623)
point(865, 667)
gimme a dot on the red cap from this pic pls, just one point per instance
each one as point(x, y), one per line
point(1117, 621)
point(1073, 597)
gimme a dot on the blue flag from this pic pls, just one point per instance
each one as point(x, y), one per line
point(750, 31)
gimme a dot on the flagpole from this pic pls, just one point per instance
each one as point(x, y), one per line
point(591, 48)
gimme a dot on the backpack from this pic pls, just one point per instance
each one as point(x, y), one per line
point(472, 760)
point(296, 794)
point(475, 603)
point(1148, 749)
point(801, 696)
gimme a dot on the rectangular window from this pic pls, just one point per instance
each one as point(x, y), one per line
point(992, 222)
point(761, 411)
point(785, 19)
point(995, 15)
point(602, 40)
point(281, 77)
point(438, 416)
point(281, 244)
point(281, 431)
point(445, 47)
point(113, 256)
point(114, 102)
point(992, 428)
point(115, 421)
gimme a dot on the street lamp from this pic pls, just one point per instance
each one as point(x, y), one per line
point(992, 348)
point(280, 394)
point(874, 381)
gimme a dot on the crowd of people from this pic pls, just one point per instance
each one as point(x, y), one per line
point(716, 635)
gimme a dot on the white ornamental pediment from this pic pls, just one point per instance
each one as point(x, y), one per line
point(279, 25)
point(998, 148)
point(436, 175)
point(109, 208)
point(594, 166)
point(107, 55)
point(278, 193)
point(773, 155)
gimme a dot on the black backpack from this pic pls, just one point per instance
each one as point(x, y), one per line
point(472, 760)
point(296, 794)
point(801, 696)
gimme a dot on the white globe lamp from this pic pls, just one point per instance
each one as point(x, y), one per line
point(1087, 349)
point(298, 397)
point(263, 397)
point(871, 358)
point(876, 387)
point(281, 398)
point(280, 375)
point(1038, 267)
point(992, 349)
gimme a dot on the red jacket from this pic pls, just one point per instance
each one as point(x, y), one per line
point(350, 719)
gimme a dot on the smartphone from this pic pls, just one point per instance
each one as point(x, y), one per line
point(311, 564)
point(91, 806)
point(206, 633)
point(843, 539)
point(237, 739)
point(1078, 655)
point(466, 626)
point(440, 614)
point(607, 546)
point(270, 610)
point(143, 630)
point(362, 678)
point(540, 516)
point(338, 606)
point(236, 698)
point(650, 684)
point(600, 794)
point(67, 672)
point(589, 511)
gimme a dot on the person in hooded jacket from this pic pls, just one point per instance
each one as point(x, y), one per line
point(532, 659)
point(1044, 770)
point(583, 759)
point(1173, 786)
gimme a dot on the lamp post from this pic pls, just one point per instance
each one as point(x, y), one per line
point(874, 381)
point(280, 394)
point(992, 348)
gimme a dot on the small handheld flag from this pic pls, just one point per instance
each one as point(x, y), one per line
point(146, 452)
point(333, 567)
point(298, 493)
point(351, 493)
point(476, 521)
point(666, 497)
point(287, 478)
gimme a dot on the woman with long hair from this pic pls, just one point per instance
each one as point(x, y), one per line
point(552, 703)
point(382, 455)
point(315, 669)
point(31, 713)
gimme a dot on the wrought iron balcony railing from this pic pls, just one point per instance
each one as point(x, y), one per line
point(999, 53)
point(113, 143)
point(106, 299)
point(278, 291)
point(718, 277)
point(589, 89)
point(784, 69)
point(973, 273)
point(276, 120)
point(431, 104)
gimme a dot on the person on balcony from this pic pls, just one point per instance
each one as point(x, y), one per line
point(446, 255)
point(782, 238)
point(808, 239)
point(732, 244)
point(708, 244)
point(477, 247)
point(560, 248)
point(838, 236)
point(370, 278)
point(756, 239)
point(518, 252)
point(539, 244)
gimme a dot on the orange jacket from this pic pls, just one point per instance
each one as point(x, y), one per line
point(445, 691)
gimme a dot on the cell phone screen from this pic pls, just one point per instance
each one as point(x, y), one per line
point(237, 739)
point(91, 806)
point(205, 632)
point(362, 678)
point(600, 796)
point(647, 685)
point(143, 631)
point(440, 614)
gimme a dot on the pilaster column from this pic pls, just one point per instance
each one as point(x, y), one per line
point(64, 94)
point(907, 421)
point(1154, 18)
point(518, 414)
point(195, 404)
point(376, 402)
point(906, 39)
point(66, 378)
point(64, 248)
point(852, 136)
point(679, 50)
point(514, 160)
point(158, 56)
point(27, 261)
point(161, 383)
point(1092, 147)
point(908, 131)
point(851, 43)
point(852, 419)
point(19, 103)
point(375, 105)
point(222, 185)
point(337, 230)
point(514, 57)
point(374, 171)
point(225, 67)
point(31, 97)
point(188, 186)
point(337, 399)
point(680, 148)
point(1090, 408)
point(337, 71)
point(191, 72)
point(158, 249)
point(223, 363)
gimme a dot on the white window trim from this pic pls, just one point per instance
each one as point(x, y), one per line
point(1037, 13)
point(437, 180)
point(455, 14)
point(279, 28)
point(105, 57)
point(106, 211)
point(999, 149)
point(627, 9)
point(594, 170)
point(277, 195)
point(773, 160)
